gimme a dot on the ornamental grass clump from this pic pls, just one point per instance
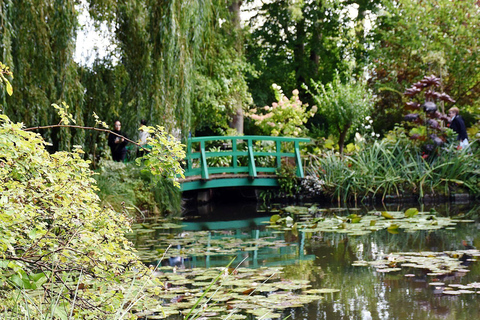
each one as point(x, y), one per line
point(395, 168)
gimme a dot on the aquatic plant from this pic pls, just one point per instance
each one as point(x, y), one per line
point(313, 220)
point(394, 168)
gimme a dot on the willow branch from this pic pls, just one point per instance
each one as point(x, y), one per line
point(84, 128)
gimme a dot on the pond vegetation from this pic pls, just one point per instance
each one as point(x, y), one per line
point(303, 258)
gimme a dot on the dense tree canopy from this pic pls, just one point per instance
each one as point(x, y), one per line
point(183, 64)
point(294, 42)
point(418, 38)
point(171, 58)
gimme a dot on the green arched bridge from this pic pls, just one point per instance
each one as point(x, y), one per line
point(237, 161)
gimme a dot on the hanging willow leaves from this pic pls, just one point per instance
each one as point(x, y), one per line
point(37, 39)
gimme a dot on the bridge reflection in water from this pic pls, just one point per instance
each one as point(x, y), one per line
point(238, 161)
point(209, 244)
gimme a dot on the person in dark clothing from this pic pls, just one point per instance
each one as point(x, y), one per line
point(458, 125)
point(117, 144)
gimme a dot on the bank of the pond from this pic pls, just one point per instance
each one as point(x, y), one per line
point(395, 168)
point(127, 186)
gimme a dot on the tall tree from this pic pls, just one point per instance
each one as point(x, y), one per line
point(295, 41)
point(221, 91)
point(235, 9)
point(159, 45)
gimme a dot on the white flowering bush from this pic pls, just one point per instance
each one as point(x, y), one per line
point(313, 185)
point(286, 117)
point(366, 132)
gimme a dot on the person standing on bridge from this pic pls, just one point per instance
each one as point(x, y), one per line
point(117, 142)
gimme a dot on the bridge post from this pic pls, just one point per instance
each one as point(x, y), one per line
point(252, 169)
point(298, 160)
point(203, 161)
point(278, 144)
point(189, 151)
point(234, 151)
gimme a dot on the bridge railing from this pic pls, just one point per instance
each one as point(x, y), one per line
point(241, 155)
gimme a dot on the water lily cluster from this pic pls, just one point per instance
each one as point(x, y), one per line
point(286, 117)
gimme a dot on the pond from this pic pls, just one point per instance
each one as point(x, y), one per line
point(309, 262)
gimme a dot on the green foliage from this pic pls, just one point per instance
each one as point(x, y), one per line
point(62, 253)
point(414, 38)
point(167, 54)
point(293, 42)
point(126, 186)
point(4, 73)
point(288, 181)
point(220, 85)
point(286, 117)
point(38, 42)
point(344, 106)
point(225, 161)
point(388, 167)
point(165, 155)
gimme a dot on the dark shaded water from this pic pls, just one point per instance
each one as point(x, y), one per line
point(325, 259)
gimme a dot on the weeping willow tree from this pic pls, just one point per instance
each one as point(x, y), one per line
point(164, 50)
point(37, 40)
point(159, 47)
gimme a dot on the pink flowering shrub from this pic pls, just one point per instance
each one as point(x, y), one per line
point(286, 117)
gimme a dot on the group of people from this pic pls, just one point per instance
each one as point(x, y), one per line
point(118, 140)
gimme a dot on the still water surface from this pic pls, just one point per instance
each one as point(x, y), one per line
point(325, 259)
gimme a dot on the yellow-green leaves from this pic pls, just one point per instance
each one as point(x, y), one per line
point(51, 217)
point(5, 71)
point(9, 87)
point(65, 116)
point(410, 213)
point(99, 122)
point(386, 215)
point(165, 155)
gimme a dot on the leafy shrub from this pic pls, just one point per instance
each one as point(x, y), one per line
point(62, 253)
point(286, 117)
point(126, 185)
point(344, 106)
point(290, 184)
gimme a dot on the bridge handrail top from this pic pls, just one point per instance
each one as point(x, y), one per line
point(260, 138)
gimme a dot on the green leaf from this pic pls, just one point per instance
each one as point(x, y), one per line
point(274, 218)
point(9, 87)
point(386, 215)
point(410, 213)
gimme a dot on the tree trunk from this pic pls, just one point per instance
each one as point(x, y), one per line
point(234, 8)
point(341, 139)
point(299, 53)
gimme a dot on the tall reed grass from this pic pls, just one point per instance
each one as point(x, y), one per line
point(396, 168)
